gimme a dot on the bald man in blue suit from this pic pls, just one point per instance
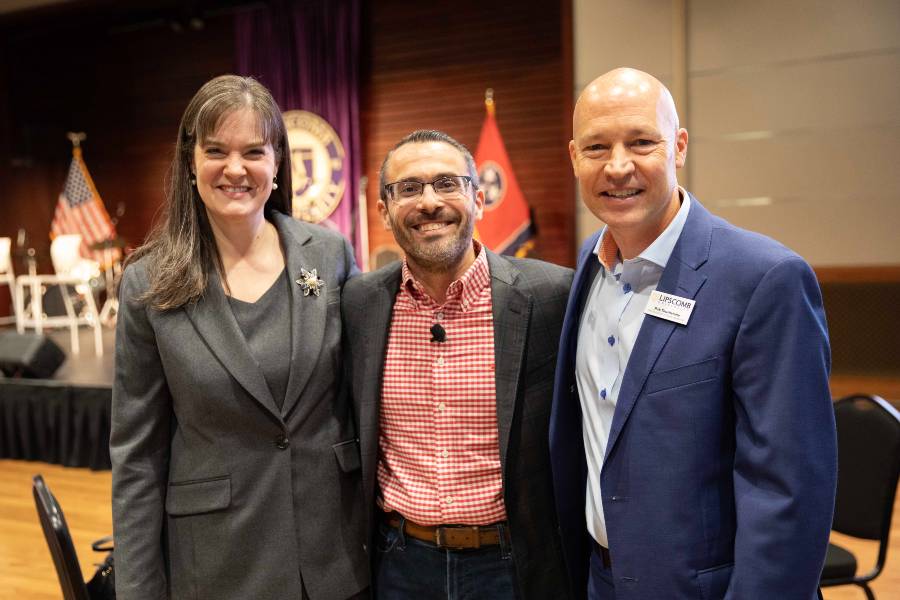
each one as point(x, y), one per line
point(692, 432)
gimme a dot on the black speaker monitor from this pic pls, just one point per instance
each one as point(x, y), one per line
point(29, 355)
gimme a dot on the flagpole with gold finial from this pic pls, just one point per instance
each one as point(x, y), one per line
point(76, 137)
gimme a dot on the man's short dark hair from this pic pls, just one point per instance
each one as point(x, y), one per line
point(421, 136)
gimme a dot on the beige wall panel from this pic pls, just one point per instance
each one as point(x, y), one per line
point(730, 34)
point(855, 162)
point(798, 101)
point(830, 232)
point(821, 95)
point(615, 34)
point(829, 190)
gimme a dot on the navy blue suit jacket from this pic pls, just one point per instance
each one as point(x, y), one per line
point(720, 471)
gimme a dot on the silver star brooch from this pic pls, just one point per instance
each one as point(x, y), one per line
point(310, 283)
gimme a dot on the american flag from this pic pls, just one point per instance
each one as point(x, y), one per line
point(80, 210)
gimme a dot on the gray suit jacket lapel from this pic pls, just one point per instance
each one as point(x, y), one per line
point(512, 313)
point(214, 321)
point(308, 313)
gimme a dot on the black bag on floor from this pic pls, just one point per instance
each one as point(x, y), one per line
point(102, 585)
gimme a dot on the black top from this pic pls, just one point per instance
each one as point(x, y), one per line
point(266, 325)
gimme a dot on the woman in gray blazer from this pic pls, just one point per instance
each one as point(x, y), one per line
point(235, 464)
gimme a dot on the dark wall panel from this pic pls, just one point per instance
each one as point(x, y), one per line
point(126, 87)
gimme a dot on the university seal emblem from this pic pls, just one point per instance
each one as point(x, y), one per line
point(317, 165)
point(493, 183)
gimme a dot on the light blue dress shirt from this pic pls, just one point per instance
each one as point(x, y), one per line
point(610, 323)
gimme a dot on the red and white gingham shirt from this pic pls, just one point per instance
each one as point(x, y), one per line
point(439, 460)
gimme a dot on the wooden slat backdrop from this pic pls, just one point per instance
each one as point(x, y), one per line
point(427, 67)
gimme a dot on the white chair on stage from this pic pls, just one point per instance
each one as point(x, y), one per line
point(71, 270)
point(8, 278)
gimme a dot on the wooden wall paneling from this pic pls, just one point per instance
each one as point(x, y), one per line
point(126, 88)
point(864, 328)
point(858, 274)
point(567, 191)
point(427, 66)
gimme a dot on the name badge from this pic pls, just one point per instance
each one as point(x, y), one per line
point(670, 307)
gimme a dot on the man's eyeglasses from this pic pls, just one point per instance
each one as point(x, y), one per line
point(445, 186)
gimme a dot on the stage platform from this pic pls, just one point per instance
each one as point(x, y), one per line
point(66, 420)
point(63, 420)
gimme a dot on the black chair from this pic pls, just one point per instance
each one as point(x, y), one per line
point(868, 431)
point(59, 541)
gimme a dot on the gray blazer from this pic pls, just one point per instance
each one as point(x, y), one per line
point(216, 492)
point(529, 301)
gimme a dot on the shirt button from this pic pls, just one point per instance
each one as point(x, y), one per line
point(611, 339)
point(445, 454)
point(603, 393)
point(438, 316)
point(449, 499)
point(626, 288)
point(440, 361)
point(441, 406)
point(282, 442)
point(571, 389)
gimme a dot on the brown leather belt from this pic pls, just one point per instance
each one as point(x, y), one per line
point(450, 537)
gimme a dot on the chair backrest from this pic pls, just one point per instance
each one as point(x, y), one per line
point(868, 430)
point(65, 253)
point(56, 532)
point(5, 258)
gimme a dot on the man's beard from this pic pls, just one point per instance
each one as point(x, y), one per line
point(441, 255)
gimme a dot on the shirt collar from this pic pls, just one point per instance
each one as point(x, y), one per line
point(659, 251)
point(464, 290)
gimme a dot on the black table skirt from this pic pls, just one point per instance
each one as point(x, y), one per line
point(55, 422)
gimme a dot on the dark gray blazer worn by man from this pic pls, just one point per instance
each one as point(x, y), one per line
point(529, 299)
point(216, 492)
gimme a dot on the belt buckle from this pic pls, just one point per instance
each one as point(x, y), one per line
point(459, 537)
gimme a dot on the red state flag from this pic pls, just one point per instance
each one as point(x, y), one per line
point(506, 225)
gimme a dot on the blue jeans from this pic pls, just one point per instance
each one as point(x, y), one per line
point(410, 569)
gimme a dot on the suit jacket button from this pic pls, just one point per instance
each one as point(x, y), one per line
point(282, 442)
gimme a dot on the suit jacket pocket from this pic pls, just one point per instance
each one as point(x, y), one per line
point(714, 582)
point(198, 496)
point(347, 454)
point(680, 376)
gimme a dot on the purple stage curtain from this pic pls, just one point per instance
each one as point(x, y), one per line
point(307, 53)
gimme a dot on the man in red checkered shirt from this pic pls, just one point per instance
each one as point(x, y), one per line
point(451, 357)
